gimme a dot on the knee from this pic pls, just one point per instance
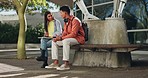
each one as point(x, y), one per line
point(53, 43)
point(66, 42)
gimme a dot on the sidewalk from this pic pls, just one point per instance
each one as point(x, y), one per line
point(30, 68)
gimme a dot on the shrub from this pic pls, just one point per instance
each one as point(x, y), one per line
point(9, 33)
point(33, 33)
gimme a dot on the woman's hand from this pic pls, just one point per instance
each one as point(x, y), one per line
point(46, 34)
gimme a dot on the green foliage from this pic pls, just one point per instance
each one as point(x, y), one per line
point(9, 33)
point(38, 5)
point(33, 33)
point(33, 5)
point(6, 5)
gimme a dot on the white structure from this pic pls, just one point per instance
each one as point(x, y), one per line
point(84, 10)
point(118, 8)
point(117, 12)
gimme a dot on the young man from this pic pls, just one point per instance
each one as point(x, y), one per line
point(73, 34)
point(53, 28)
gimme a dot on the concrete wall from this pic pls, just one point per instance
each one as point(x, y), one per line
point(110, 31)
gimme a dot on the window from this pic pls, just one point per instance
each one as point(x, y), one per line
point(95, 7)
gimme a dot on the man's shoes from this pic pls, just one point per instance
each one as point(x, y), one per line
point(40, 58)
point(63, 67)
point(52, 65)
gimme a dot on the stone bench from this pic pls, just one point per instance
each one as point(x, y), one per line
point(105, 55)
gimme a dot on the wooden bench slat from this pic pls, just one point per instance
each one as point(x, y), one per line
point(111, 47)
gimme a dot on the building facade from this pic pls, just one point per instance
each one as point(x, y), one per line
point(135, 13)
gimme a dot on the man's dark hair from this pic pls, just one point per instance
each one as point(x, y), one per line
point(65, 8)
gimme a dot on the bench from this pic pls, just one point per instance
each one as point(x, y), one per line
point(110, 47)
point(105, 55)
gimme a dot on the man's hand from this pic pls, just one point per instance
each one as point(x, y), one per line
point(58, 38)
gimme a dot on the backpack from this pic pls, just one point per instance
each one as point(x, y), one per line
point(85, 28)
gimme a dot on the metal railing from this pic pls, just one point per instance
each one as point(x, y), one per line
point(137, 30)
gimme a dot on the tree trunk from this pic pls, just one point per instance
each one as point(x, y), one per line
point(21, 8)
point(21, 53)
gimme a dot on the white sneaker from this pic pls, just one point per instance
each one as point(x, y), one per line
point(52, 65)
point(63, 67)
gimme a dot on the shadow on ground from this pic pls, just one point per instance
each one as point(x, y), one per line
point(140, 63)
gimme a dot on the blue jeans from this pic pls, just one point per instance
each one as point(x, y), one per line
point(45, 43)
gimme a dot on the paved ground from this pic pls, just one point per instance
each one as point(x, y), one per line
point(10, 67)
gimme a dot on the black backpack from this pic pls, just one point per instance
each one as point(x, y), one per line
point(85, 28)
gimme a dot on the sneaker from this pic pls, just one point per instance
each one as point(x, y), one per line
point(52, 65)
point(63, 67)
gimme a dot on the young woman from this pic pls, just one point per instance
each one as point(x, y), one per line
point(53, 28)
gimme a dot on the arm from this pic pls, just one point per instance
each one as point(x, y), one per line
point(64, 32)
point(58, 28)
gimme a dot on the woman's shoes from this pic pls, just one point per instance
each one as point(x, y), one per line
point(44, 65)
point(40, 58)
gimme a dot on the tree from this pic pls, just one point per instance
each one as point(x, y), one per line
point(20, 7)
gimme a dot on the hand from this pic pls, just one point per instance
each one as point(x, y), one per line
point(58, 38)
point(55, 40)
point(46, 34)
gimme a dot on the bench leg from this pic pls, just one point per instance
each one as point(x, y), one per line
point(102, 59)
